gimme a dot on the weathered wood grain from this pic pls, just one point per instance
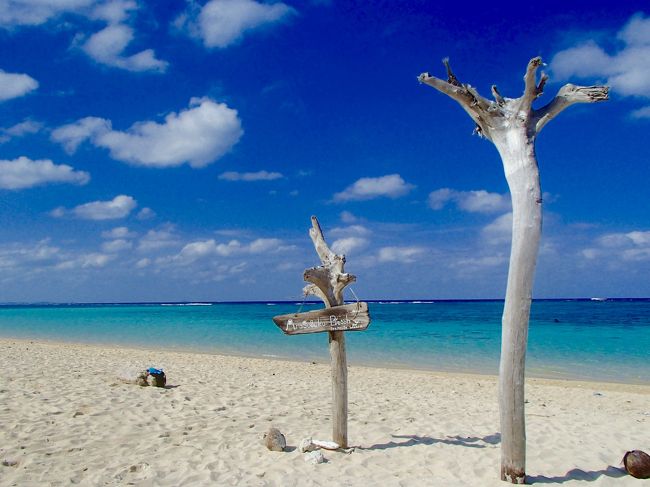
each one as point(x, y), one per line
point(349, 317)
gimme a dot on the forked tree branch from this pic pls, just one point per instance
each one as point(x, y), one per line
point(530, 83)
point(474, 104)
point(328, 280)
point(568, 95)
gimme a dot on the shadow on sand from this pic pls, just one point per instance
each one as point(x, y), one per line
point(577, 474)
point(412, 440)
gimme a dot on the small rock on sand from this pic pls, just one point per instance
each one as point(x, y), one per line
point(314, 457)
point(274, 440)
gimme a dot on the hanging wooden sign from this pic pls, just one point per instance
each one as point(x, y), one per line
point(349, 317)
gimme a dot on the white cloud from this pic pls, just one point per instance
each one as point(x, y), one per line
point(479, 201)
point(349, 245)
point(114, 11)
point(118, 233)
point(118, 207)
point(391, 186)
point(405, 255)
point(498, 231)
point(37, 12)
point(108, 45)
point(142, 263)
point(626, 70)
point(146, 213)
point(477, 263)
point(158, 239)
point(115, 246)
point(349, 231)
point(220, 23)
point(95, 259)
point(250, 176)
point(631, 246)
point(198, 136)
point(348, 217)
point(641, 113)
point(19, 130)
point(24, 173)
point(210, 248)
point(72, 135)
point(14, 85)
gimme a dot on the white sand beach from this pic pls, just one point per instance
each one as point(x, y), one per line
point(66, 418)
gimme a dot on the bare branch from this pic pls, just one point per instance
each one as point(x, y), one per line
point(322, 249)
point(312, 289)
point(568, 95)
point(497, 96)
point(530, 80)
point(451, 78)
point(328, 280)
point(467, 97)
point(542, 82)
point(321, 280)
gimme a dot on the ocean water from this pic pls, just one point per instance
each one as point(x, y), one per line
point(573, 339)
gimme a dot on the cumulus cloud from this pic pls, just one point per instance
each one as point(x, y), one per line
point(198, 136)
point(210, 248)
point(220, 23)
point(625, 69)
point(404, 255)
point(37, 12)
point(25, 173)
point(72, 135)
point(118, 207)
point(115, 246)
point(499, 231)
point(349, 245)
point(158, 239)
point(19, 130)
point(479, 201)
point(391, 186)
point(118, 233)
point(108, 45)
point(146, 213)
point(348, 217)
point(350, 231)
point(250, 176)
point(14, 85)
point(631, 246)
point(85, 261)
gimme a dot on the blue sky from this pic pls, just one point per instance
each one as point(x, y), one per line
point(172, 150)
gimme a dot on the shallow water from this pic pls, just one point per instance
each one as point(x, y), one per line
point(575, 339)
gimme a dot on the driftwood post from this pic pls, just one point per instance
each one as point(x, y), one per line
point(327, 282)
point(512, 125)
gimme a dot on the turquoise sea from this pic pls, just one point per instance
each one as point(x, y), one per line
point(575, 339)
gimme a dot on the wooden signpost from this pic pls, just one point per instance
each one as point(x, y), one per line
point(350, 317)
point(327, 282)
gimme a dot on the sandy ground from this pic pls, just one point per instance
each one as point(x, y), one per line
point(66, 418)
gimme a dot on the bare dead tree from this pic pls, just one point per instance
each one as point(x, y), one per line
point(512, 125)
point(328, 282)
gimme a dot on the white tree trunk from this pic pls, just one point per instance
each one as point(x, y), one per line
point(520, 165)
point(512, 125)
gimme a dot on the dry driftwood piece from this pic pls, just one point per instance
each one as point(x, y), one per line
point(274, 440)
point(309, 444)
point(637, 464)
point(512, 125)
point(327, 282)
